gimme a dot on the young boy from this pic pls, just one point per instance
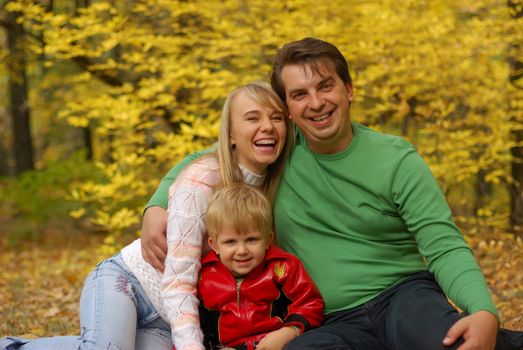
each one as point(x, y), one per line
point(253, 295)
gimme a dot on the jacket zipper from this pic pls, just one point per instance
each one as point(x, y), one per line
point(238, 284)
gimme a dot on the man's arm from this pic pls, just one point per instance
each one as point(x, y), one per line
point(154, 223)
point(423, 207)
point(154, 243)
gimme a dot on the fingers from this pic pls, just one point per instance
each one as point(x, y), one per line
point(154, 242)
point(456, 331)
point(155, 257)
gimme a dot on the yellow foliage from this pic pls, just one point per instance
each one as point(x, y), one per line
point(433, 71)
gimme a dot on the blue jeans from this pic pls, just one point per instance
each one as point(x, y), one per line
point(115, 313)
point(414, 314)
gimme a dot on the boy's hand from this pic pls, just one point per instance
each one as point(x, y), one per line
point(277, 340)
point(479, 331)
point(154, 242)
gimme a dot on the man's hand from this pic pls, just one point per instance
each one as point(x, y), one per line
point(154, 242)
point(277, 340)
point(478, 330)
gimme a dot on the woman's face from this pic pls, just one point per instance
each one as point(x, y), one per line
point(257, 131)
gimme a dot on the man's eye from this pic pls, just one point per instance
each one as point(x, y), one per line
point(298, 96)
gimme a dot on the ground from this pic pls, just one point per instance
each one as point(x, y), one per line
point(41, 278)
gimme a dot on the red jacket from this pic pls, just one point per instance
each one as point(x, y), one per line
point(241, 312)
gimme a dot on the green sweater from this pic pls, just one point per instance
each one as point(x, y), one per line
point(364, 219)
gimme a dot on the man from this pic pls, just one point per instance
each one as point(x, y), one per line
point(365, 215)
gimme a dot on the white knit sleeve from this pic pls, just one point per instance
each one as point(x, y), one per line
point(185, 235)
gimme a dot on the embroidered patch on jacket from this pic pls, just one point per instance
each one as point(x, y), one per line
point(280, 270)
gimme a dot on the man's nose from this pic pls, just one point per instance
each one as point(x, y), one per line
point(316, 102)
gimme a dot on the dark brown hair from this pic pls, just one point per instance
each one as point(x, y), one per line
point(308, 51)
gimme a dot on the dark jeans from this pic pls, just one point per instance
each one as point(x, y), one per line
point(411, 315)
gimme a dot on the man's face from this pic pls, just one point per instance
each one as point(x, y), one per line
point(319, 104)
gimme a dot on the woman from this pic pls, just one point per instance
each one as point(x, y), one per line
point(126, 303)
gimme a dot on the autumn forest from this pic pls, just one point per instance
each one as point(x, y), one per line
point(98, 99)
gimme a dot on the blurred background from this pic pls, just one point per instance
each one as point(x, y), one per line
point(98, 99)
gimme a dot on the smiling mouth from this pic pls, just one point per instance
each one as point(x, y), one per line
point(242, 261)
point(322, 117)
point(265, 143)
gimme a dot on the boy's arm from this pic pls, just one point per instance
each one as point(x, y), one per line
point(154, 223)
point(306, 306)
point(305, 309)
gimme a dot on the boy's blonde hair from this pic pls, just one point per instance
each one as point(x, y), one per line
point(241, 208)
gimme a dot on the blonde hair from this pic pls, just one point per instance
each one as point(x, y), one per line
point(239, 207)
point(262, 94)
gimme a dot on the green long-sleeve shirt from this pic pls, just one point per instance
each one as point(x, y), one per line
point(364, 219)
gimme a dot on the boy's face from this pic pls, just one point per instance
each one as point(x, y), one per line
point(240, 252)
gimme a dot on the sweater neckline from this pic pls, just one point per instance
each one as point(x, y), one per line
point(251, 178)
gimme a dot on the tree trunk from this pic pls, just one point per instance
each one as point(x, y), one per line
point(19, 102)
point(88, 143)
point(516, 188)
point(4, 165)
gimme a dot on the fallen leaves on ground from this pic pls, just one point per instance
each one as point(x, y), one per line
point(41, 282)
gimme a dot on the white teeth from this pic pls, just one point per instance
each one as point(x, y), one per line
point(323, 117)
point(265, 142)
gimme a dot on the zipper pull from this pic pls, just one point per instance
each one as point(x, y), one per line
point(238, 284)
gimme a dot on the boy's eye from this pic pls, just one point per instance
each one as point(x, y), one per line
point(253, 240)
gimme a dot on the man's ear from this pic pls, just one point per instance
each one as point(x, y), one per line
point(350, 90)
